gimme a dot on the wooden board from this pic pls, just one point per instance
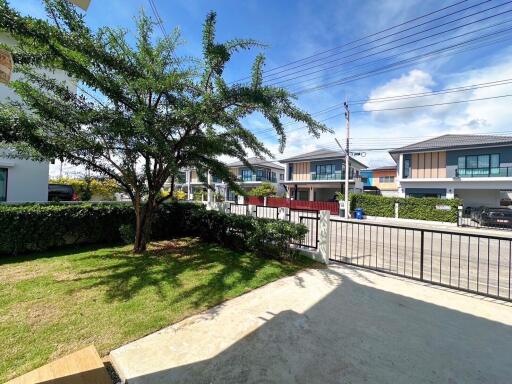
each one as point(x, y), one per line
point(82, 367)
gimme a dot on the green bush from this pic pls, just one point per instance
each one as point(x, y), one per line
point(418, 208)
point(373, 205)
point(38, 227)
point(264, 237)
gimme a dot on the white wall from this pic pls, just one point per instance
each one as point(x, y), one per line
point(26, 180)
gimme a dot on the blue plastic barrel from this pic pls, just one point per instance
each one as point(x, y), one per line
point(359, 213)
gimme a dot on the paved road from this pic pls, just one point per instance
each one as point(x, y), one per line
point(469, 258)
point(337, 325)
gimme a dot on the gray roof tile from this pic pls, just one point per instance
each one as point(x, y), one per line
point(256, 161)
point(452, 142)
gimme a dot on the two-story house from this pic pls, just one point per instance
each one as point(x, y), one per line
point(381, 180)
point(474, 168)
point(319, 175)
point(263, 171)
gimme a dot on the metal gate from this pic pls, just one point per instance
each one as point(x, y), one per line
point(464, 261)
point(310, 218)
point(267, 212)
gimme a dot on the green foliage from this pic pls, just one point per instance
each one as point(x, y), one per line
point(180, 195)
point(143, 113)
point(373, 205)
point(87, 188)
point(38, 227)
point(199, 195)
point(265, 189)
point(424, 208)
point(264, 237)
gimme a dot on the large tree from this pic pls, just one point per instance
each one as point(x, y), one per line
point(141, 112)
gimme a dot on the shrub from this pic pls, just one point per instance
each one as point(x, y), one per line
point(418, 208)
point(39, 227)
point(88, 188)
point(180, 195)
point(264, 237)
point(264, 190)
point(373, 205)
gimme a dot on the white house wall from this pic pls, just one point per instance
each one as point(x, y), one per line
point(26, 180)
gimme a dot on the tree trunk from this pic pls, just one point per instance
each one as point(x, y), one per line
point(143, 222)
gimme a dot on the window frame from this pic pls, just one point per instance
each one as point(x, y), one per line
point(6, 173)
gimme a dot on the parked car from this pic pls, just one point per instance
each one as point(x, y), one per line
point(495, 217)
point(61, 192)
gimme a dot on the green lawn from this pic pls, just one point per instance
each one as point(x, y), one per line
point(57, 302)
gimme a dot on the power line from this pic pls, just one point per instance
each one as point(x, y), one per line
point(362, 38)
point(401, 97)
point(285, 80)
point(408, 107)
point(396, 40)
point(457, 48)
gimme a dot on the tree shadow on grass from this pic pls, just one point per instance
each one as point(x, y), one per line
point(217, 271)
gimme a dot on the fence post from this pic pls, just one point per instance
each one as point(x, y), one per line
point(251, 210)
point(459, 215)
point(264, 201)
point(324, 236)
point(283, 213)
point(397, 207)
point(422, 253)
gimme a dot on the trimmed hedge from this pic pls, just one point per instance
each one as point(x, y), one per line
point(418, 208)
point(264, 237)
point(38, 227)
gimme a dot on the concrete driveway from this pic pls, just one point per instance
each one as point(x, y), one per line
point(337, 325)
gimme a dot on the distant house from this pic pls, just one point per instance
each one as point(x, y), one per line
point(24, 180)
point(319, 175)
point(263, 171)
point(475, 168)
point(380, 180)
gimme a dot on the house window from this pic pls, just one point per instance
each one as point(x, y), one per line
point(246, 175)
point(481, 165)
point(3, 184)
point(325, 171)
point(281, 176)
point(387, 179)
point(407, 168)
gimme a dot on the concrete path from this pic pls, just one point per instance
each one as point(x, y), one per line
point(338, 325)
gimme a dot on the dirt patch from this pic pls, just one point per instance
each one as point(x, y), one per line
point(20, 272)
point(34, 313)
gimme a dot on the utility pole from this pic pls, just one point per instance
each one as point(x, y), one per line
point(347, 157)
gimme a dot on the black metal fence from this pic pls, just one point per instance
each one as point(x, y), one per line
point(491, 218)
point(310, 218)
point(469, 262)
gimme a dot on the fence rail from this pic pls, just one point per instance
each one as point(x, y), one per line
point(310, 218)
point(267, 212)
point(238, 209)
point(474, 263)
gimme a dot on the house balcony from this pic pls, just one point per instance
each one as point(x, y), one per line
point(484, 172)
point(253, 178)
point(339, 175)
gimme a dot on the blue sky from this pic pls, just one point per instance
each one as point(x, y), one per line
point(297, 29)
